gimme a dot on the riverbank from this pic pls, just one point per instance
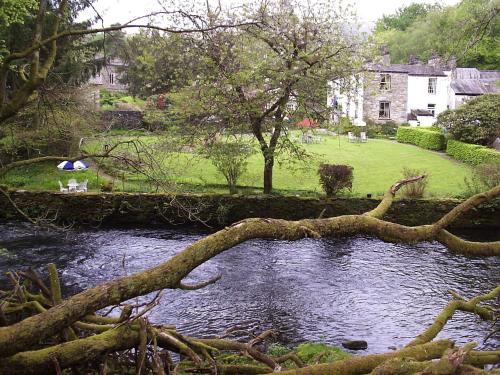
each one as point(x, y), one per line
point(217, 210)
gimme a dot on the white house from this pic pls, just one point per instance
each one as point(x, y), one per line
point(415, 93)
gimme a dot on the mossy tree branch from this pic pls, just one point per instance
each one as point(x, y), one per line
point(447, 313)
point(22, 335)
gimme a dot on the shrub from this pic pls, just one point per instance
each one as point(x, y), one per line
point(415, 189)
point(346, 125)
point(484, 177)
point(334, 178)
point(472, 154)
point(385, 130)
point(107, 187)
point(424, 138)
point(230, 159)
point(477, 121)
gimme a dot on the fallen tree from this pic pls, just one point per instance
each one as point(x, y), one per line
point(42, 331)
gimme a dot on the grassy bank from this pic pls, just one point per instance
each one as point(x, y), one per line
point(377, 164)
point(45, 176)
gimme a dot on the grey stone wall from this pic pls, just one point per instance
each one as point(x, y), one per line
point(397, 96)
point(120, 209)
point(114, 119)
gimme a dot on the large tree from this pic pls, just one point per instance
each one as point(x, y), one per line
point(262, 78)
point(404, 17)
point(469, 30)
point(157, 63)
point(31, 54)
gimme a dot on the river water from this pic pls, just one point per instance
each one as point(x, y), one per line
point(323, 290)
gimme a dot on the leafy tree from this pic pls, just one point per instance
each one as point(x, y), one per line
point(51, 124)
point(157, 63)
point(230, 158)
point(263, 78)
point(477, 121)
point(29, 54)
point(404, 17)
point(15, 11)
point(469, 30)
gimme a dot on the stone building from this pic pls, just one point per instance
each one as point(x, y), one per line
point(415, 92)
point(108, 78)
point(386, 89)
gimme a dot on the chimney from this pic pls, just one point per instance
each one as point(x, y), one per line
point(451, 64)
point(386, 56)
point(414, 60)
point(435, 61)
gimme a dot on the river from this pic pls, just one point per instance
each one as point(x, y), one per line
point(323, 290)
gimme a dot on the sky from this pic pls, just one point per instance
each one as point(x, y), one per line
point(368, 11)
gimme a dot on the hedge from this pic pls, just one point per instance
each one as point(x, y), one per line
point(472, 154)
point(425, 138)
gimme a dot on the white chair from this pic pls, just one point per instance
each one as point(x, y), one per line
point(62, 189)
point(351, 137)
point(72, 185)
point(363, 137)
point(82, 187)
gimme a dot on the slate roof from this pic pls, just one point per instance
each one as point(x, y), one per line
point(418, 112)
point(466, 73)
point(472, 81)
point(412, 70)
point(474, 86)
point(489, 74)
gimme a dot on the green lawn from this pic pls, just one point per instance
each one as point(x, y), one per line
point(377, 165)
point(45, 176)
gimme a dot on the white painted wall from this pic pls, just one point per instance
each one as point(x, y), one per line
point(426, 120)
point(349, 94)
point(461, 99)
point(419, 97)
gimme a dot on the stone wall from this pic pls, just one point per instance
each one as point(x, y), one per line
point(397, 95)
point(140, 209)
point(116, 119)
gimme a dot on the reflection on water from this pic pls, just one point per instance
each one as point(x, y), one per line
point(329, 289)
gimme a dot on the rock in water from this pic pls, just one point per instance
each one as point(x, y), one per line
point(355, 344)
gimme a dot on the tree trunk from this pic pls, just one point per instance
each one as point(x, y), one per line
point(268, 173)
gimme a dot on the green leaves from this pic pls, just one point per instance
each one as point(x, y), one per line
point(477, 121)
point(15, 11)
point(469, 30)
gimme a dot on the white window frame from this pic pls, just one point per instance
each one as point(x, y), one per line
point(385, 110)
point(385, 82)
point(432, 86)
point(432, 107)
point(111, 78)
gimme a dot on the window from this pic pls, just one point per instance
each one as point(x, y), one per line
point(384, 110)
point(111, 78)
point(432, 109)
point(385, 82)
point(431, 86)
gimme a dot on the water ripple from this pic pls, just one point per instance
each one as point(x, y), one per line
point(328, 289)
